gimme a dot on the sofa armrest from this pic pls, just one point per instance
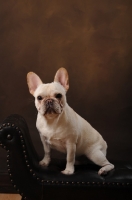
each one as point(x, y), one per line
point(21, 155)
point(34, 182)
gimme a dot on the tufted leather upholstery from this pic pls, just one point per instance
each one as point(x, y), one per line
point(34, 182)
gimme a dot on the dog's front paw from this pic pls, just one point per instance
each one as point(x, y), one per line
point(67, 172)
point(44, 162)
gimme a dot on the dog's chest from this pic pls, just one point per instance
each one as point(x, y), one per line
point(56, 140)
point(57, 143)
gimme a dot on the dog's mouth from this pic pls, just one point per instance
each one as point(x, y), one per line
point(50, 110)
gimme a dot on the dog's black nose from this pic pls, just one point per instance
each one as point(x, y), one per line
point(49, 102)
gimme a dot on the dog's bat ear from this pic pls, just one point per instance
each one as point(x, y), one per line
point(61, 76)
point(33, 82)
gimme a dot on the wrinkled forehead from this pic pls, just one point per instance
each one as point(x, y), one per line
point(49, 89)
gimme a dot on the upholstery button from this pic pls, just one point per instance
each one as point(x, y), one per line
point(9, 137)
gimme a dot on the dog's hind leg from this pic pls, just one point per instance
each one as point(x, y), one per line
point(98, 157)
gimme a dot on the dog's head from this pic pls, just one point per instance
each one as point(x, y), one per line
point(50, 98)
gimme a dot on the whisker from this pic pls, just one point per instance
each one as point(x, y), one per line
point(30, 100)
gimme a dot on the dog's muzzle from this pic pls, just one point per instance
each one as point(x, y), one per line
point(49, 103)
point(52, 106)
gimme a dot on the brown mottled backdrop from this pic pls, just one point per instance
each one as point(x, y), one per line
point(93, 40)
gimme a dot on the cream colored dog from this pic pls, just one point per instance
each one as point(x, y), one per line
point(61, 128)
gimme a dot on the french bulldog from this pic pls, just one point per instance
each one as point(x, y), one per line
point(61, 128)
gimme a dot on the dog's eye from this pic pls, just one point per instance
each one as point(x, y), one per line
point(58, 96)
point(39, 98)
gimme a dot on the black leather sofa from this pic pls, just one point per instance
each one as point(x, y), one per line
point(34, 182)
